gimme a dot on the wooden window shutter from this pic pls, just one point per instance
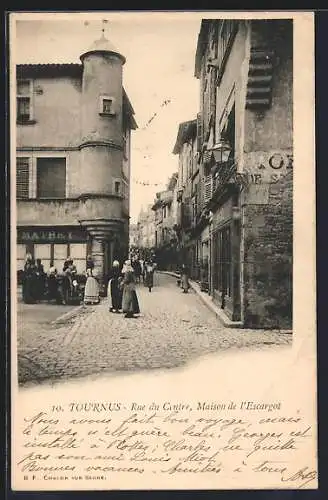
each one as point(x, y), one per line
point(207, 188)
point(22, 178)
point(199, 132)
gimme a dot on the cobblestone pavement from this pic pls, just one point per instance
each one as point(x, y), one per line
point(173, 329)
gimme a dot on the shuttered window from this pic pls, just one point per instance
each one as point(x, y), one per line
point(228, 30)
point(22, 178)
point(199, 132)
point(51, 177)
point(207, 188)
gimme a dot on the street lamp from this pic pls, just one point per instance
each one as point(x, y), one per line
point(221, 151)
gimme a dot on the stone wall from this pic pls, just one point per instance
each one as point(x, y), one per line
point(268, 262)
point(66, 212)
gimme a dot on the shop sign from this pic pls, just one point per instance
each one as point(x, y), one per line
point(50, 236)
point(263, 167)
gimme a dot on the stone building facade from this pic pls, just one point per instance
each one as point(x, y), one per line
point(133, 236)
point(166, 214)
point(188, 195)
point(245, 168)
point(74, 125)
point(146, 228)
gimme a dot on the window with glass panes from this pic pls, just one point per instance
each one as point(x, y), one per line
point(23, 100)
point(43, 251)
point(78, 253)
point(20, 256)
point(60, 253)
point(54, 252)
point(51, 177)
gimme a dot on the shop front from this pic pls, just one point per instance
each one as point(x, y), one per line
point(53, 245)
point(225, 258)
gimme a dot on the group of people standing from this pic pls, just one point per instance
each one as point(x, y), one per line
point(122, 285)
point(38, 284)
point(121, 288)
point(34, 280)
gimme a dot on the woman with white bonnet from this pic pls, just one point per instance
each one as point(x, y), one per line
point(130, 304)
point(113, 290)
point(91, 291)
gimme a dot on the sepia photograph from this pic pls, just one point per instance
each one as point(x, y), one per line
point(159, 267)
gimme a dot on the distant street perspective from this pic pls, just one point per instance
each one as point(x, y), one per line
point(154, 194)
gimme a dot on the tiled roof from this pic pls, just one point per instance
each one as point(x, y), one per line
point(51, 69)
point(186, 131)
point(103, 45)
point(201, 44)
point(45, 65)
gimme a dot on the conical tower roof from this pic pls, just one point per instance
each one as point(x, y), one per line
point(103, 46)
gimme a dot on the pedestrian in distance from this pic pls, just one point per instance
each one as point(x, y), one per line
point(114, 290)
point(185, 278)
point(130, 304)
point(137, 269)
point(149, 274)
point(91, 291)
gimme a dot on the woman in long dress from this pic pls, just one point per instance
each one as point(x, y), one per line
point(91, 291)
point(114, 290)
point(130, 304)
point(52, 281)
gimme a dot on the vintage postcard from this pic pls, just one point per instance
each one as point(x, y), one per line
point(163, 251)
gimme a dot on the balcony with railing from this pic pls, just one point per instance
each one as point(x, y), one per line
point(223, 175)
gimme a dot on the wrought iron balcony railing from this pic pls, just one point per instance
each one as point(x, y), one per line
point(223, 174)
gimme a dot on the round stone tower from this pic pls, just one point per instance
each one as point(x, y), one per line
point(100, 182)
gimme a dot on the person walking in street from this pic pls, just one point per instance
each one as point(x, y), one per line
point(149, 274)
point(114, 291)
point(185, 278)
point(91, 291)
point(130, 304)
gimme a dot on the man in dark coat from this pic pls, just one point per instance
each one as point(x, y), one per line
point(114, 291)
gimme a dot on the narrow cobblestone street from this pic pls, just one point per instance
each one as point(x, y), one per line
point(173, 329)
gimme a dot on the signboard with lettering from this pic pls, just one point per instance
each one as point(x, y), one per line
point(265, 167)
point(50, 235)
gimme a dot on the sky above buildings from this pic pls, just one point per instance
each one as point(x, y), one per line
point(158, 77)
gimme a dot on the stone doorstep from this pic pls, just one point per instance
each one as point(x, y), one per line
point(223, 318)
